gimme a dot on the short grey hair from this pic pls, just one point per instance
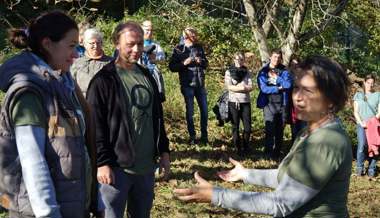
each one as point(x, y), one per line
point(92, 33)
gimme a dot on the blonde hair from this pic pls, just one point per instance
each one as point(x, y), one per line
point(239, 54)
point(190, 30)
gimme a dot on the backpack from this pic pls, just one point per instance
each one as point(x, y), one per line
point(221, 109)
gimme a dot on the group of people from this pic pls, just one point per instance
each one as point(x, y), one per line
point(83, 136)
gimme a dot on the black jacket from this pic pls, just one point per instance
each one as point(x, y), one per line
point(192, 74)
point(113, 135)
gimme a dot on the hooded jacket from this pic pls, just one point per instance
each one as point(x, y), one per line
point(65, 152)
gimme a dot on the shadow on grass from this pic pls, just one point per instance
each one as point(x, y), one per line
point(208, 173)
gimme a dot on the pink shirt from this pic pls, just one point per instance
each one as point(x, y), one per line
point(373, 136)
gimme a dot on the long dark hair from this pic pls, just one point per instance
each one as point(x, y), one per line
point(54, 25)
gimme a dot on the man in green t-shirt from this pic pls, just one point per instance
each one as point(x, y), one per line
point(130, 131)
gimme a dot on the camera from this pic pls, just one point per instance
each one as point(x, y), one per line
point(193, 58)
point(149, 49)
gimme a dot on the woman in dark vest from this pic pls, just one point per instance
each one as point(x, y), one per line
point(45, 167)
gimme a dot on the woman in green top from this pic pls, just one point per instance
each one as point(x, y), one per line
point(45, 166)
point(366, 106)
point(313, 179)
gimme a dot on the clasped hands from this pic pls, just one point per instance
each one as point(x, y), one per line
point(189, 60)
point(202, 192)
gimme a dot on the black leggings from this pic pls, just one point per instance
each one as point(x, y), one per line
point(240, 111)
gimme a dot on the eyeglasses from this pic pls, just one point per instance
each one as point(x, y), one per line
point(148, 29)
point(95, 43)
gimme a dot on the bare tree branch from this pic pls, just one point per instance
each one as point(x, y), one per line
point(272, 19)
point(291, 43)
point(270, 16)
point(224, 8)
point(5, 20)
point(11, 4)
point(324, 23)
point(258, 31)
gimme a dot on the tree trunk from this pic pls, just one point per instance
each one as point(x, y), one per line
point(257, 30)
point(291, 39)
point(291, 43)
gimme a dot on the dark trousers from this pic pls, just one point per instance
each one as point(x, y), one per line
point(136, 192)
point(241, 111)
point(200, 95)
point(274, 116)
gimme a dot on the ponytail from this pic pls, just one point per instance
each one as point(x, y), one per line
point(18, 38)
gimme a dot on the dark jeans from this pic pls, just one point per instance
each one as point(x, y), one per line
point(241, 111)
point(274, 117)
point(362, 154)
point(201, 95)
point(131, 190)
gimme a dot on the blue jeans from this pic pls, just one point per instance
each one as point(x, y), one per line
point(362, 154)
point(201, 95)
point(136, 191)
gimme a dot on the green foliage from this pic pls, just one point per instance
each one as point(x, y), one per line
point(353, 39)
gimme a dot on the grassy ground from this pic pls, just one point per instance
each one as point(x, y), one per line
point(364, 195)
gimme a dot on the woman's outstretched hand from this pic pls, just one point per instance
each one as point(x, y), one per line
point(236, 174)
point(202, 192)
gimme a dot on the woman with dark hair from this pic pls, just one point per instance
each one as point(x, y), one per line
point(313, 179)
point(366, 106)
point(45, 168)
point(238, 82)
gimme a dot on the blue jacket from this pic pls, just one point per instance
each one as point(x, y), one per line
point(284, 80)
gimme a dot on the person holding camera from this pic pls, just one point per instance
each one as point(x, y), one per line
point(275, 83)
point(190, 61)
point(153, 54)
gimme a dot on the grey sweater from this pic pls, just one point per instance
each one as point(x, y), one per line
point(237, 96)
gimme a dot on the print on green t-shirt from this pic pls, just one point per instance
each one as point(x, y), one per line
point(139, 92)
